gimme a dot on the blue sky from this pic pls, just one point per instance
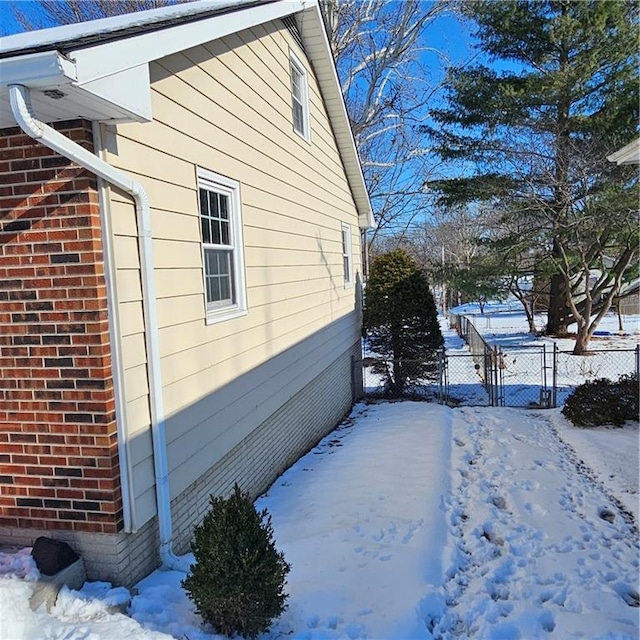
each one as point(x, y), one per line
point(7, 21)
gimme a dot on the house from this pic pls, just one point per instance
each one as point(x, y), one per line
point(627, 302)
point(179, 300)
point(629, 154)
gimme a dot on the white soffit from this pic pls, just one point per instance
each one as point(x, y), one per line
point(129, 89)
point(108, 80)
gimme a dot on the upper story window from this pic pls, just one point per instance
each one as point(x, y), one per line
point(300, 98)
point(347, 265)
point(222, 250)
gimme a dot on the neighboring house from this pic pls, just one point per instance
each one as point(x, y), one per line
point(179, 270)
point(629, 154)
point(628, 300)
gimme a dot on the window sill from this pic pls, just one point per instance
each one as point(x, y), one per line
point(213, 317)
point(306, 138)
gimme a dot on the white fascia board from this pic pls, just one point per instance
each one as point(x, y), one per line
point(106, 59)
point(37, 70)
point(310, 23)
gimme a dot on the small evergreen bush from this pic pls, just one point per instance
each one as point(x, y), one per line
point(237, 582)
point(602, 401)
point(400, 322)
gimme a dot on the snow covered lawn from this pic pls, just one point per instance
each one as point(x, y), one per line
point(414, 521)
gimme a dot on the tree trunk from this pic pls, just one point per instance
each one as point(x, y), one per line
point(398, 381)
point(529, 310)
point(581, 345)
point(558, 316)
point(618, 311)
point(559, 312)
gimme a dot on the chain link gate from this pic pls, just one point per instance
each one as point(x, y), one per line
point(497, 377)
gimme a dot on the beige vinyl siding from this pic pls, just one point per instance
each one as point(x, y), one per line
point(226, 107)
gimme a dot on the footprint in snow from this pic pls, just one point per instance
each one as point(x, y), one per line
point(412, 529)
point(547, 621)
point(499, 502)
point(332, 622)
point(535, 509)
point(627, 593)
point(607, 514)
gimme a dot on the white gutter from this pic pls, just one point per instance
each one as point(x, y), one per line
point(39, 69)
point(22, 111)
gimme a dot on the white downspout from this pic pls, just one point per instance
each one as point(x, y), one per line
point(23, 113)
point(117, 368)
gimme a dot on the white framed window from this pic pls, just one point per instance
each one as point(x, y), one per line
point(222, 248)
point(347, 263)
point(300, 98)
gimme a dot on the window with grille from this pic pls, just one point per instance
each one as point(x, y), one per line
point(346, 254)
point(222, 251)
point(299, 98)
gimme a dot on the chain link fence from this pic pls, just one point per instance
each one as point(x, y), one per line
point(537, 376)
point(600, 363)
point(408, 379)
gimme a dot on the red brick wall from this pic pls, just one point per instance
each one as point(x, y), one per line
point(58, 444)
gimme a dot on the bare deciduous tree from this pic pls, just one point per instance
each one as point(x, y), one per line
point(382, 55)
point(50, 13)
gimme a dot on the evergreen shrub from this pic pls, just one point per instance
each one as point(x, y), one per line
point(603, 401)
point(400, 322)
point(237, 582)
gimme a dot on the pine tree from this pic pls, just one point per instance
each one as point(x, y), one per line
point(401, 320)
point(560, 95)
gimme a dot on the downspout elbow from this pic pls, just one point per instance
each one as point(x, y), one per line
point(21, 106)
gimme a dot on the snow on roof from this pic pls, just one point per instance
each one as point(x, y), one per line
point(72, 36)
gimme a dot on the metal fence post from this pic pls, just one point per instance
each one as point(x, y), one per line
point(554, 392)
point(441, 376)
point(638, 361)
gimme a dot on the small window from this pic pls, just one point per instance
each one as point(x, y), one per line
point(346, 254)
point(222, 254)
point(300, 98)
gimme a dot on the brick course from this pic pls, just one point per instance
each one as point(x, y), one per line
point(58, 441)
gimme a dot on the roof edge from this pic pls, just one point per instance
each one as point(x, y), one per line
point(629, 154)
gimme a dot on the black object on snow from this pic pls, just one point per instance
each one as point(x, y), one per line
point(52, 555)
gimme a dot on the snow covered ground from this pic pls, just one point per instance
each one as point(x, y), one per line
point(415, 521)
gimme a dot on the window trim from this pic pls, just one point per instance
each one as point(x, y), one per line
point(295, 64)
point(214, 182)
point(347, 254)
